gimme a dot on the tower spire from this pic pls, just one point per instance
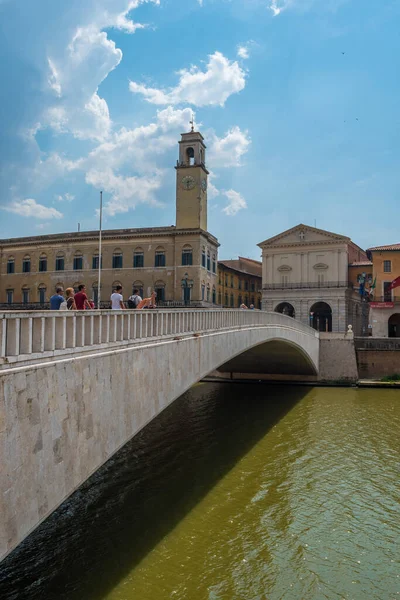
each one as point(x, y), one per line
point(192, 123)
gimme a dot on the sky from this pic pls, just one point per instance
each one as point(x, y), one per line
point(298, 101)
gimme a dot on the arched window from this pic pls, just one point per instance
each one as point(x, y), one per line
point(117, 260)
point(43, 263)
point(190, 156)
point(10, 265)
point(95, 261)
point(208, 293)
point(159, 288)
point(10, 296)
point(138, 285)
point(232, 301)
point(203, 290)
point(208, 261)
point(60, 261)
point(26, 264)
point(138, 259)
point(25, 294)
point(321, 316)
point(203, 257)
point(42, 293)
point(78, 261)
point(214, 295)
point(159, 259)
point(214, 264)
point(187, 256)
point(115, 285)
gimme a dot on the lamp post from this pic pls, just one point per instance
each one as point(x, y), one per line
point(187, 285)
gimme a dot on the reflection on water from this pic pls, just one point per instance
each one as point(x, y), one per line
point(237, 492)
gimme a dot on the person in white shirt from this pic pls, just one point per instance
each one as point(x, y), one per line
point(117, 301)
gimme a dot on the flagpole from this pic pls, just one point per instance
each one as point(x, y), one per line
point(99, 277)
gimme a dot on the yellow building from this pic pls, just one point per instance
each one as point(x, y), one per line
point(239, 282)
point(179, 262)
point(385, 303)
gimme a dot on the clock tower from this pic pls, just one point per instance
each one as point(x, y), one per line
point(191, 182)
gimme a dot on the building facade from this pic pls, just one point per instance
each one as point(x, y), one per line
point(385, 303)
point(239, 282)
point(305, 274)
point(179, 262)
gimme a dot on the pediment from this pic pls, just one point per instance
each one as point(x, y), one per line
point(302, 235)
point(284, 268)
point(321, 267)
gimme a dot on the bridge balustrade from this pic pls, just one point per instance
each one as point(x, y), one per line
point(30, 335)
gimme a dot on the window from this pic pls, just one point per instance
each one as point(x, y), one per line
point(246, 300)
point(159, 258)
point(159, 288)
point(203, 290)
point(240, 300)
point(240, 286)
point(187, 256)
point(320, 278)
point(78, 262)
point(26, 264)
point(387, 266)
point(60, 262)
point(25, 295)
point(285, 279)
point(10, 296)
point(208, 262)
point(138, 259)
point(387, 294)
point(203, 257)
point(214, 295)
point(252, 301)
point(253, 286)
point(42, 294)
point(10, 266)
point(226, 302)
point(138, 285)
point(219, 278)
point(214, 264)
point(232, 301)
point(219, 298)
point(226, 280)
point(190, 156)
point(43, 263)
point(208, 293)
point(95, 261)
point(95, 293)
point(246, 286)
point(117, 261)
point(231, 281)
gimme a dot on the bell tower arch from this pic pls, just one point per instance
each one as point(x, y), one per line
point(191, 182)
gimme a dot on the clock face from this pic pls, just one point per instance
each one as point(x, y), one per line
point(188, 183)
point(204, 184)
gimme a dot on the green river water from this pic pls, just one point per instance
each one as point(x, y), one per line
point(236, 492)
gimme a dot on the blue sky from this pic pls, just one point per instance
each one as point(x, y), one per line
point(298, 101)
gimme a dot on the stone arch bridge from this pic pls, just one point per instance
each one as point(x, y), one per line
point(75, 387)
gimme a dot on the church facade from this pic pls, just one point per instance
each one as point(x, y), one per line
point(179, 262)
point(306, 274)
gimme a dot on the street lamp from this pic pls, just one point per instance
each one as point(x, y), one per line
point(186, 285)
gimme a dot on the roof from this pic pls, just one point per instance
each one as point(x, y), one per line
point(361, 263)
point(243, 265)
point(383, 248)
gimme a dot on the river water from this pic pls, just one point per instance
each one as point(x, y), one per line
point(236, 492)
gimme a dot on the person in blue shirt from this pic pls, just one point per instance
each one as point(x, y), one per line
point(55, 301)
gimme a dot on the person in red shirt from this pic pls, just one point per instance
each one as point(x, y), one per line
point(81, 300)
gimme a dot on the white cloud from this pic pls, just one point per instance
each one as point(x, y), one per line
point(65, 197)
point(30, 208)
point(276, 6)
point(213, 86)
point(235, 204)
point(228, 150)
point(243, 52)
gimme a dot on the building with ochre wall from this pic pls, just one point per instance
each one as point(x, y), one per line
point(385, 303)
point(179, 262)
point(239, 282)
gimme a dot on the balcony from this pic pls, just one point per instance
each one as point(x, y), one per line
point(307, 285)
point(385, 299)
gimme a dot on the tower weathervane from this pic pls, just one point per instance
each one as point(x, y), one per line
point(192, 123)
